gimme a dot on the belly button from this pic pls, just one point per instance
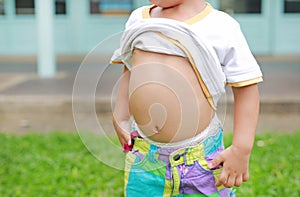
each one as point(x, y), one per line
point(155, 129)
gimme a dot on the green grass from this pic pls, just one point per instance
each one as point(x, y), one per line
point(274, 167)
point(58, 164)
point(55, 164)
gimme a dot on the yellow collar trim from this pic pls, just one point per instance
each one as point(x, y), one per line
point(146, 11)
point(208, 9)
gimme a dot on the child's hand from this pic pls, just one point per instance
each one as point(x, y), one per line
point(123, 131)
point(235, 167)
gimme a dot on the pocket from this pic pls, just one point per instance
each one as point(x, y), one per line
point(202, 166)
point(134, 158)
point(202, 179)
point(214, 175)
point(139, 163)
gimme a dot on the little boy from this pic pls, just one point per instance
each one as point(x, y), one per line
point(178, 55)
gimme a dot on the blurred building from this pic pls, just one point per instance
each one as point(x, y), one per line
point(271, 26)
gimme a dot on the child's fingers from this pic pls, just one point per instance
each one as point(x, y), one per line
point(234, 181)
point(124, 139)
point(239, 181)
point(216, 162)
point(222, 179)
point(245, 177)
point(230, 181)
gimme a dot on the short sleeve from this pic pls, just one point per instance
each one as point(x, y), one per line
point(239, 65)
point(135, 15)
point(116, 57)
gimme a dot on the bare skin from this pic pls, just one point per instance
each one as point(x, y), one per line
point(173, 87)
point(180, 10)
point(235, 159)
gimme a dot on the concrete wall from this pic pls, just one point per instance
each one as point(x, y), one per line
point(272, 32)
point(77, 32)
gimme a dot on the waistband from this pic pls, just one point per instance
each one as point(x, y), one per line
point(177, 156)
point(210, 130)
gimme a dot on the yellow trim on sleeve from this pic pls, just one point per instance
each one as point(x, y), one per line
point(116, 62)
point(245, 83)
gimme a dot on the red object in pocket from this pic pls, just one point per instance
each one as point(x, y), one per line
point(126, 147)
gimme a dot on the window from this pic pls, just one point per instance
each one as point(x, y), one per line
point(241, 6)
point(24, 6)
point(60, 7)
point(2, 9)
point(110, 6)
point(291, 6)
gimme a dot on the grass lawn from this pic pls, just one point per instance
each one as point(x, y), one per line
point(58, 164)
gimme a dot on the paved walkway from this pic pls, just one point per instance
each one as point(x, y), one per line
point(28, 102)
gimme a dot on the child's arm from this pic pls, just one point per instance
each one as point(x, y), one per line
point(121, 112)
point(235, 159)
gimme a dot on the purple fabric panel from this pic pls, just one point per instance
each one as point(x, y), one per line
point(214, 154)
point(195, 179)
point(226, 192)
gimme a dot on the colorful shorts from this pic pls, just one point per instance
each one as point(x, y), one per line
point(157, 171)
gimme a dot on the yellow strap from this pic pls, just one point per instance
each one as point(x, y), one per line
point(200, 80)
point(168, 188)
point(176, 181)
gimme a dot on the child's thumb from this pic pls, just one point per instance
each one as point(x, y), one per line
point(216, 162)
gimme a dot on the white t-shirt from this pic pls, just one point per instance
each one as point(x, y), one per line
point(223, 33)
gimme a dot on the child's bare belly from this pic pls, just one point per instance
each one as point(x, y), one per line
point(166, 99)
